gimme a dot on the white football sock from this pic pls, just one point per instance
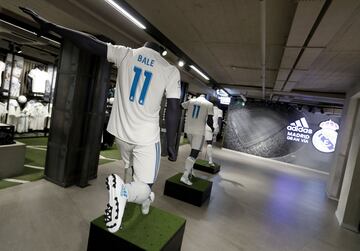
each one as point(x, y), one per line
point(209, 153)
point(189, 163)
point(138, 191)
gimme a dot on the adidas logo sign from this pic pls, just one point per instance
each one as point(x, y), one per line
point(300, 125)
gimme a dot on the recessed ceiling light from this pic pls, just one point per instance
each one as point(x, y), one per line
point(164, 53)
point(126, 14)
point(181, 63)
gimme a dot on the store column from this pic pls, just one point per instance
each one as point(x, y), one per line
point(348, 211)
point(342, 148)
point(77, 117)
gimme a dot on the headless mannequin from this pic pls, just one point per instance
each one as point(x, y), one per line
point(98, 47)
point(189, 162)
point(210, 142)
point(195, 153)
point(138, 192)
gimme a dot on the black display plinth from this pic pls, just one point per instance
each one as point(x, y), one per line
point(159, 230)
point(203, 165)
point(196, 194)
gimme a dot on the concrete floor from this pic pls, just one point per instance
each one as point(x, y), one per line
point(255, 205)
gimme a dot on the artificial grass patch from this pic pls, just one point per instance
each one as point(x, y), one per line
point(38, 141)
point(203, 162)
point(6, 184)
point(198, 184)
point(184, 141)
point(112, 153)
point(149, 232)
point(35, 157)
point(203, 165)
point(30, 174)
point(104, 161)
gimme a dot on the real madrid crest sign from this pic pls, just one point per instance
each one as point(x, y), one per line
point(324, 139)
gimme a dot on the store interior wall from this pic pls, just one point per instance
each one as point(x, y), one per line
point(261, 129)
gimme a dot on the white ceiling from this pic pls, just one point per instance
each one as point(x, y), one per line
point(223, 38)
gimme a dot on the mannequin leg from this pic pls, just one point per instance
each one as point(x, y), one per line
point(196, 144)
point(146, 163)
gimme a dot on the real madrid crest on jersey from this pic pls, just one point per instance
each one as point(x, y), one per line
point(324, 139)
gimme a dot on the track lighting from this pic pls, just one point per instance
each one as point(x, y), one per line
point(126, 14)
point(199, 72)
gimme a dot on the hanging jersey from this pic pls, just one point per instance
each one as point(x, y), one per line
point(143, 77)
point(39, 79)
point(2, 68)
point(197, 112)
point(218, 113)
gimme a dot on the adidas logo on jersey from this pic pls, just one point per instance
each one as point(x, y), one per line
point(300, 125)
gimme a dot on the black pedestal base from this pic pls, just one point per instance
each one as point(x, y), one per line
point(159, 230)
point(203, 165)
point(196, 194)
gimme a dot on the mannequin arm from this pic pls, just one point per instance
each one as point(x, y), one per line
point(81, 39)
point(172, 123)
point(210, 122)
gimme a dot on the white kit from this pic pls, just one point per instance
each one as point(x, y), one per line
point(16, 74)
point(40, 79)
point(197, 112)
point(209, 135)
point(2, 68)
point(143, 76)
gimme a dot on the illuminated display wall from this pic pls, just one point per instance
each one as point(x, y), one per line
point(283, 133)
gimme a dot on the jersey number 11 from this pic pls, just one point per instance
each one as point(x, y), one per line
point(135, 82)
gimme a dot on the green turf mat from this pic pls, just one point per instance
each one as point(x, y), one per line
point(6, 184)
point(184, 141)
point(206, 163)
point(112, 153)
point(30, 174)
point(38, 141)
point(104, 161)
point(35, 157)
point(198, 184)
point(149, 232)
point(202, 162)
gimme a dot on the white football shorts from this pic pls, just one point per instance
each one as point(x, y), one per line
point(145, 160)
point(196, 141)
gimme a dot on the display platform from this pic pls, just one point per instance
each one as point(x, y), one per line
point(159, 230)
point(203, 165)
point(196, 194)
point(12, 160)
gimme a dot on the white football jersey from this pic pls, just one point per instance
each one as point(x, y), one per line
point(143, 77)
point(218, 113)
point(39, 79)
point(197, 112)
point(2, 68)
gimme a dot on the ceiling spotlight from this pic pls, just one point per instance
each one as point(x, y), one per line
point(126, 14)
point(243, 97)
point(18, 49)
point(181, 63)
point(164, 53)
